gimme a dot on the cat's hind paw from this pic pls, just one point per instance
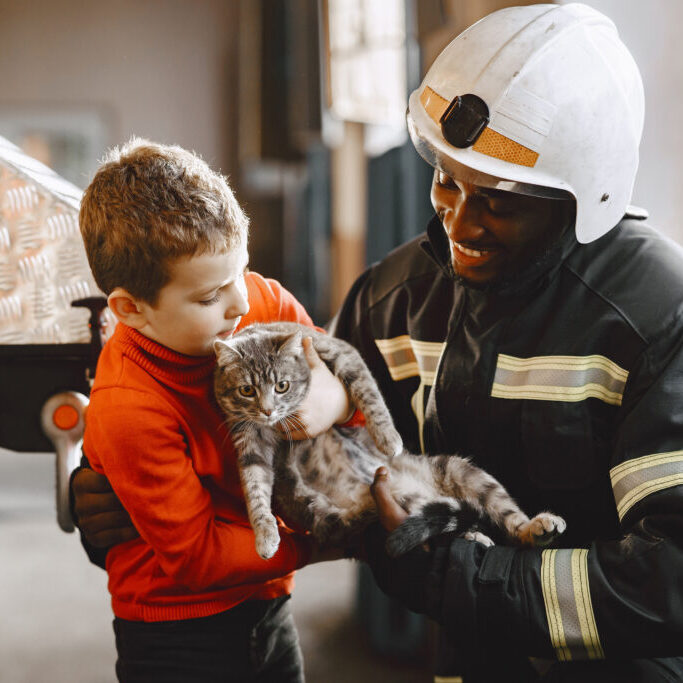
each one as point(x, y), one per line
point(267, 539)
point(542, 530)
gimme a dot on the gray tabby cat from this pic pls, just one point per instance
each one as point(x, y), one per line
point(322, 484)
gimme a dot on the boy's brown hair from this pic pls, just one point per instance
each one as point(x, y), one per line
point(148, 205)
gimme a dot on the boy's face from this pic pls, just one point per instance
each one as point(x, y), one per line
point(206, 297)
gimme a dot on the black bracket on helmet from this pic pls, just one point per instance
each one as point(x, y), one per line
point(464, 120)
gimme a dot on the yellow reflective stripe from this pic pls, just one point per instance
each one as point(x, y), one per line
point(644, 462)
point(405, 358)
point(563, 363)
point(646, 489)
point(388, 345)
point(546, 393)
point(568, 605)
point(447, 679)
point(399, 372)
point(552, 605)
point(418, 357)
point(636, 479)
point(559, 378)
point(589, 629)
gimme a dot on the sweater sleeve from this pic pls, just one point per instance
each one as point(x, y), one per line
point(149, 469)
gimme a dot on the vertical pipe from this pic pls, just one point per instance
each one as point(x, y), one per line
point(349, 211)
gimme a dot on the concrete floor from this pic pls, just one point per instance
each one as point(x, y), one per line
point(55, 618)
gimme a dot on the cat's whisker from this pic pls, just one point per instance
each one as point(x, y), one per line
point(299, 424)
point(287, 429)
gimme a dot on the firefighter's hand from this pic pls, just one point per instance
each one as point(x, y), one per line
point(99, 513)
point(390, 513)
point(325, 404)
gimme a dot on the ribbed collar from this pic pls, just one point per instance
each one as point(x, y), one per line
point(161, 362)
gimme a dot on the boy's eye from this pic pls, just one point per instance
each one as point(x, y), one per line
point(247, 390)
point(212, 300)
point(282, 386)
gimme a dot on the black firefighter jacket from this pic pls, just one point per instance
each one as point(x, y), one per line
point(568, 387)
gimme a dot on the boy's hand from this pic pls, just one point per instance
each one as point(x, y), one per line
point(326, 403)
point(100, 515)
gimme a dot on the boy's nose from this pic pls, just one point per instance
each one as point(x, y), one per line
point(237, 307)
point(236, 311)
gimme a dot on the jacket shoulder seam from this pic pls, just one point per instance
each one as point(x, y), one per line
point(609, 302)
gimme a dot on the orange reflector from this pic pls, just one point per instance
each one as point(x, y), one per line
point(65, 417)
point(496, 145)
point(433, 104)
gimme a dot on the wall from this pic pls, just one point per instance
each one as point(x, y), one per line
point(651, 30)
point(165, 69)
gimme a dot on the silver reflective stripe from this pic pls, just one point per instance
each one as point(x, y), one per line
point(635, 479)
point(568, 605)
point(559, 378)
point(405, 358)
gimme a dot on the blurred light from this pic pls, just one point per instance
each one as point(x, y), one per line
point(367, 61)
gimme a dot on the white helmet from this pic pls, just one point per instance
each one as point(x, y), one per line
point(543, 100)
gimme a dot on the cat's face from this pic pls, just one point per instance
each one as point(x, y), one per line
point(260, 378)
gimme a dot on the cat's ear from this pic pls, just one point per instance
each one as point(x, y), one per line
point(292, 344)
point(225, 351)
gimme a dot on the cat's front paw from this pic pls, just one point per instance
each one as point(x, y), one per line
point(542, 530)
point(267, 540)
point(388, 441)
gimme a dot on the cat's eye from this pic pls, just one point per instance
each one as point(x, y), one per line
point(282, 386)
point(247, 390)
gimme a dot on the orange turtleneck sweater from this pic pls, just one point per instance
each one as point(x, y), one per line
point(154, 430)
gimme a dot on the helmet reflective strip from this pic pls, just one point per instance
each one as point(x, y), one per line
point(490, 142)
point(496, 145)
point(635, 479)
point(559, 378)
point(568, 605)
point(405, 358)
point(433, 104)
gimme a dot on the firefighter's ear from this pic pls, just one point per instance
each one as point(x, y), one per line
point(128, 309)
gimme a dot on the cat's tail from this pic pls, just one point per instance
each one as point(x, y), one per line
point(435, 518)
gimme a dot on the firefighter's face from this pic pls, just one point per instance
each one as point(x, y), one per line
point(493, 234)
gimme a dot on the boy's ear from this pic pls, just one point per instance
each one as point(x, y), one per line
point(127, 309)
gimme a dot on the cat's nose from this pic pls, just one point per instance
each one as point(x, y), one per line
point(267, 412)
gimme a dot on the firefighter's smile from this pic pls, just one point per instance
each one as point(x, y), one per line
point(472, 255)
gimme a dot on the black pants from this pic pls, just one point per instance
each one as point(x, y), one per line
point(255, 641)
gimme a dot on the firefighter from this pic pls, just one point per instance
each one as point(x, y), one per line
point(537, 329)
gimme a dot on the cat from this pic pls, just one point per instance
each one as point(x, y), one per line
point(322, 484)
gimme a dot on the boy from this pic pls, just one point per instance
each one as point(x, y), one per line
point(167, 242)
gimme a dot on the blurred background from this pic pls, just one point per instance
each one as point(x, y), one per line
point(301, 103)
